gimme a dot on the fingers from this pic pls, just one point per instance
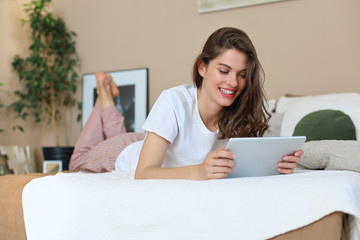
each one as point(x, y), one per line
point(218, 175)
point(299, 153)
point(216, 169)
point(222, 153)
point(229, 163)
point(286, 170)
point(286, 167)
point(221, 158)
point(218, 164)
point(215, 172)
point(289, 162)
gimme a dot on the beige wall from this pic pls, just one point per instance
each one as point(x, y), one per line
point(305, 46)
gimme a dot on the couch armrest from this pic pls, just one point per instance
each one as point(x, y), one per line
point(11, 212)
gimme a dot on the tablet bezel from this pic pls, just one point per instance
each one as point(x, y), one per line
point(259, 156)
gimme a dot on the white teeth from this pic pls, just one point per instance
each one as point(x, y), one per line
point(227, 91)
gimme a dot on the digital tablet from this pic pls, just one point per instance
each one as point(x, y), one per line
point(259, 156)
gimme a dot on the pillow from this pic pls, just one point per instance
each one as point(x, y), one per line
point(295, 108)
point(326, 124)
point(331, 155)
point(275, 120)
point(274, 125)
point(270, 105)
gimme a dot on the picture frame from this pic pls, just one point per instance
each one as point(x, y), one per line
point(205, 6)
point(132, 102)
point(52, 166)
point(16, 159)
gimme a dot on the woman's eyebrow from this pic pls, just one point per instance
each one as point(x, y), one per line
point(225, 65)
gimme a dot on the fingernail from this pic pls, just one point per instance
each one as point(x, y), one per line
point(286, 158)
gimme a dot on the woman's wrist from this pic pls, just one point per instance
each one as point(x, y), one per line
point(197, 175)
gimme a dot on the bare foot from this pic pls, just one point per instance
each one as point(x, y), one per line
point(114, 89)
point(103, 89)
point(102, 80)
point(106, 79)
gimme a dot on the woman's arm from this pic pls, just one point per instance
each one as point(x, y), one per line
point(216, 165)
point(151, 158)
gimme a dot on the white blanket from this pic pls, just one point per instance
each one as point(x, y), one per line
point(114, 206)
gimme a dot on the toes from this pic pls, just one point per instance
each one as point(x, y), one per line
point(105, 81)
point(100, 78)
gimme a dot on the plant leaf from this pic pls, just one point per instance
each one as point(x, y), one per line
point(21, 129)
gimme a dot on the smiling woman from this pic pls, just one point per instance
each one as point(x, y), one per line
point(226, 76)
point(188, 126)
point(228, 97)
point(236, 61)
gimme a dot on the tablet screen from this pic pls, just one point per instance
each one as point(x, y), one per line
point(258, 156)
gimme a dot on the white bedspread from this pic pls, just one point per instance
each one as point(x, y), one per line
point(114, 206)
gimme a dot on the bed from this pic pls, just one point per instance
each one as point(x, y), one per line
point(320, 201)
point(115, 206)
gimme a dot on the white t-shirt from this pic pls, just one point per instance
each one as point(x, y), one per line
point(175, 117)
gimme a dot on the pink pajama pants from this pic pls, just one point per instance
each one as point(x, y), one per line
point(94, 154)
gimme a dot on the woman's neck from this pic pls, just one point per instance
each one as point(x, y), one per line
point(209, 113)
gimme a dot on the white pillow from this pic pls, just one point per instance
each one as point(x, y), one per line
point(275, 120)
point(295, 108)
point(274, 125)
point(270, 105)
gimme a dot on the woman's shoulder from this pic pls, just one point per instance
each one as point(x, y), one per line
point(182, 93)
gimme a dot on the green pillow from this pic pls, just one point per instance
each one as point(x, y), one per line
point(326, 125)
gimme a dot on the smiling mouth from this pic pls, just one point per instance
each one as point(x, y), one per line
point(227, 92)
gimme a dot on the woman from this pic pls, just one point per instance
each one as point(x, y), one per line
point(188, 126)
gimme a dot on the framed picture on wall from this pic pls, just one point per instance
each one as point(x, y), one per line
point(132, 102)
point(205, 6)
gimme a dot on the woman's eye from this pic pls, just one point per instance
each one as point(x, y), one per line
point(223, 71)
point(242, 75)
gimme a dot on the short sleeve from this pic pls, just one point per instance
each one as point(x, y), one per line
point(162, 120)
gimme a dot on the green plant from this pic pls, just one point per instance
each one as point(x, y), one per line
point(3, 105)
point(48, 74)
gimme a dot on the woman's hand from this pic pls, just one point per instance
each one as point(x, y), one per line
point(289, 162)
point(217, 164)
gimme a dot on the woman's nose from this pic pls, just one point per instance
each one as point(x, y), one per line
point(232, 80)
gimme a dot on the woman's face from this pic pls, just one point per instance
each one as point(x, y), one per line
point(223, 78)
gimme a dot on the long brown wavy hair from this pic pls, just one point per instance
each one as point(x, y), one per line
point(247, 116)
